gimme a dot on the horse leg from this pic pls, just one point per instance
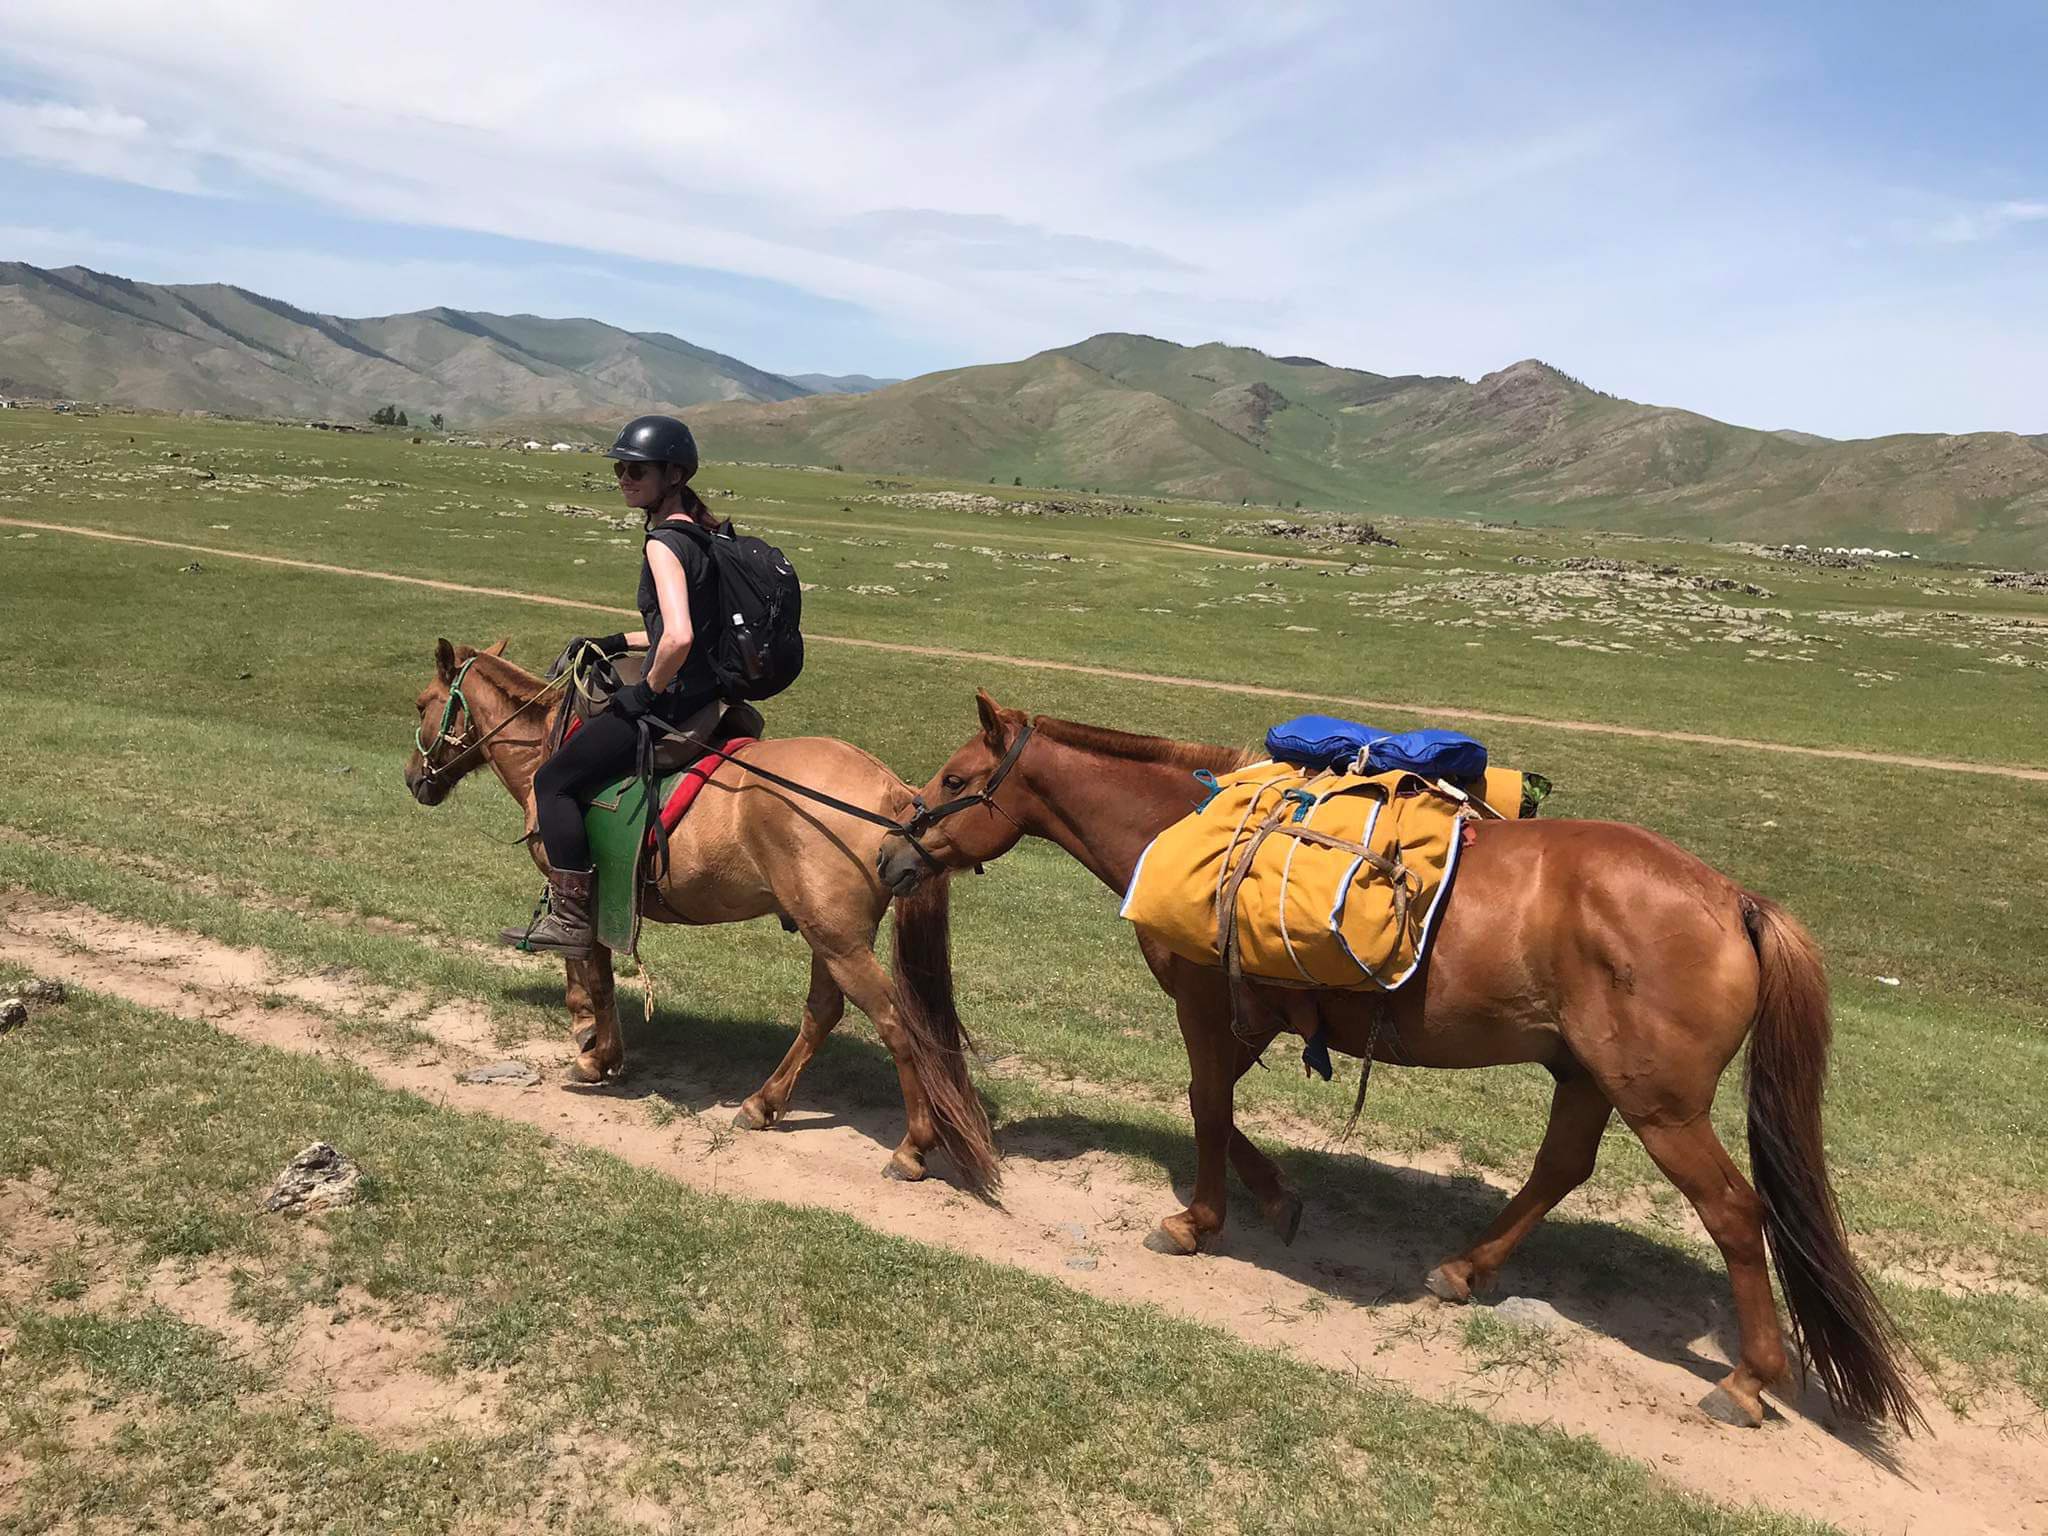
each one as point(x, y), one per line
point(1691, 1155)
point(1212, 1076)
point(1579, 1112)
point(824, 1007)
point(1278, 1203)
point(860, 976)
point(594, 1019)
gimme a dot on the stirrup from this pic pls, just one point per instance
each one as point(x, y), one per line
point(541, 905)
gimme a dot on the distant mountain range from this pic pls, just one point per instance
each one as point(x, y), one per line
point(839, 384)
point(1133, 413)
point(1116, 412)
point(86, 335)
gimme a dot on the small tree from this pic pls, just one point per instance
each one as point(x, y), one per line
point(385, 416)
point(1017, 480)
point(402, 421)
point(434, 421)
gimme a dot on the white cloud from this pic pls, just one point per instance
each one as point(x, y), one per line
point(960, 169)
point(96, 141)
point(1986, 223)
point(1405, 189)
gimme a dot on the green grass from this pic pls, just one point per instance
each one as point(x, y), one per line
point(759, 1363)
point(265, 809)
point(154, 1354)
point(155, 780)
point(1428, 623)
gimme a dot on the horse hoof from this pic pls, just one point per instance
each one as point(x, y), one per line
point(586, 1071)
point(1285, 1219)
point(1724, 1407)
point(1443, 1287)
point(905, 1173)
point(1159, 1240)
point(748, 1118)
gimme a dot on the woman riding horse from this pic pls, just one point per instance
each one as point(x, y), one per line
point(655, 459)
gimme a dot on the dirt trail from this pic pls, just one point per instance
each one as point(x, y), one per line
point(1118, 674)
point(1346, 1299)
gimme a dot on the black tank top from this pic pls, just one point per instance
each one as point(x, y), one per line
point(687, 545)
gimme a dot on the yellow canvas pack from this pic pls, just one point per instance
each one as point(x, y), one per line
point(1355, 911)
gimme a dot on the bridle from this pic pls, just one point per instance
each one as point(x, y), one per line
point(458, 703)
point(929, 816)
point(456, 700)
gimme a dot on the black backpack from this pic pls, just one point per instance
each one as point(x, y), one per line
point(757, 648)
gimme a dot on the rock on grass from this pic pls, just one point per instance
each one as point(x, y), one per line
point(318, 1179)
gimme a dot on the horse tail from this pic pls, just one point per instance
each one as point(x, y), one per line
point(1836, 1318)
point(922, 960)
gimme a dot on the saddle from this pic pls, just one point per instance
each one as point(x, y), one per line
point(628, 822)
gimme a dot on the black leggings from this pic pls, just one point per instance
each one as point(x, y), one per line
point(601, 752)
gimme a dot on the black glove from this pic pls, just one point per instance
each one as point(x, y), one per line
point(633, 701)
point(611, 645)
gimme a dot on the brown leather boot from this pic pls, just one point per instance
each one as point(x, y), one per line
point(566, 927)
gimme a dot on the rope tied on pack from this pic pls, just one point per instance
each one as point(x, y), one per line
point(1285, 820)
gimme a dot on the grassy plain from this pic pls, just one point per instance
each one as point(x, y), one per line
point(218, 748)
point(1898, 658)
point(730, 1364)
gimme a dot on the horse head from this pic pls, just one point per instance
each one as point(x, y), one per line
point(965, 816)
point(455, 711)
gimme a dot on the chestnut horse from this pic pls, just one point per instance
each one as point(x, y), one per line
point(1627, 968)
point(749, 849)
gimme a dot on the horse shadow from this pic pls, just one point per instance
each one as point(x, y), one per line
point(700, 1061)
point(1372, 1230)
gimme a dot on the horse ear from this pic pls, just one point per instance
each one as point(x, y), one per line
point(991, 715)
point(498, 649)
point(444, 660)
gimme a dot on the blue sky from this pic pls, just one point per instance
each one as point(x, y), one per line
point(1833, 217)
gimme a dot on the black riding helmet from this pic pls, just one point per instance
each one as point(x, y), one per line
point(656, 440)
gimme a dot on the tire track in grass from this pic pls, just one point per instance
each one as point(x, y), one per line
point(1344, 1297)
point(1115, 674)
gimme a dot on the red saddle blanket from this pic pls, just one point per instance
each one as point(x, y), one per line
point(693, 779)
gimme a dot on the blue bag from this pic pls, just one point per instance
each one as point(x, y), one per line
point(1324, 741)
point(1433, 754)
point(1318, 741)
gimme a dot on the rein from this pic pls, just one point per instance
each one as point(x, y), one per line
point(923, 821)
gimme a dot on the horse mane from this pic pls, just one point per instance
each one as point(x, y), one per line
point(518, 676)
point(517, 684)
point(1162, 750)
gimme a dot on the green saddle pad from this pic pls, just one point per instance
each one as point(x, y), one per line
point(614, 823)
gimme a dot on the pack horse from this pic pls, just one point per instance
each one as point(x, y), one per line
point(1628, 969)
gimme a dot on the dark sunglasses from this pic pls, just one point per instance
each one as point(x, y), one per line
point(629, 471)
